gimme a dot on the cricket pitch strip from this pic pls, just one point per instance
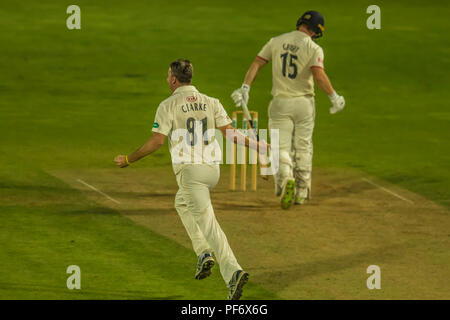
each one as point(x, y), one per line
point(319, 250)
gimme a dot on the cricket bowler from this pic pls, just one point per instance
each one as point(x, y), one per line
point(193, 116)
point(297, 60)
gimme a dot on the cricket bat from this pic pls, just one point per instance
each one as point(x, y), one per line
point(254, 135)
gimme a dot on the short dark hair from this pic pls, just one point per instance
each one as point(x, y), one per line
point(183, 70)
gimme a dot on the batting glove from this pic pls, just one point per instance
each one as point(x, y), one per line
point(337, 101)
point(241, 95)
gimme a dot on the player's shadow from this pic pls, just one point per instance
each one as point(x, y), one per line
point(281, 277)
point(237, 207)
point(148, 211)
point(330, 191)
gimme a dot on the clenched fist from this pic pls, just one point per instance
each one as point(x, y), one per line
point(121, 161)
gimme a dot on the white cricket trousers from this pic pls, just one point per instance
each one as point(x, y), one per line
point(294, 118)
point(193, 204)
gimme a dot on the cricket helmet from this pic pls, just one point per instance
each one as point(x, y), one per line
point(314, 20)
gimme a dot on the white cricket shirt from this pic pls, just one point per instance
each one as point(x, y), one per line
point(189, 119)
point(293, 54)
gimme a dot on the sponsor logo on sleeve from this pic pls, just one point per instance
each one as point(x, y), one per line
point(155, 125)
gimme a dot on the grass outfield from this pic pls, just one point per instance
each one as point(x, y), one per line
point(74, 99)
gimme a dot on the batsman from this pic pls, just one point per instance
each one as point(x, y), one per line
point(297, 60)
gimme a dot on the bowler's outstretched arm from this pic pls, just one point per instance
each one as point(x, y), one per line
point(239, 138)
point(152, 144)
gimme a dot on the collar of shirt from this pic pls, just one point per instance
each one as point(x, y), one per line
point(302, 33)
point(185, 89)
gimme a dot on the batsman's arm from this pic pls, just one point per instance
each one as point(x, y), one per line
point(322, 80)
point(241, 95)
point(324, 83)
point(154, 143)
point(252, 72)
